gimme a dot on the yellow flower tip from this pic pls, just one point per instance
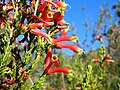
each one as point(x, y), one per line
point(80, 50)
point(74, 39)
point(54, 57)
point(64, 7)
point(63, 22)
point(50, 15)
point(66, 29)
point(49, 23)
point(70, 71)
point(61, 4)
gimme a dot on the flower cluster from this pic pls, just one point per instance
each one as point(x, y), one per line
point(52, 13)
point(42, 18)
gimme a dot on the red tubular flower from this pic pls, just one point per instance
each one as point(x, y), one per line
point(48, 57)
point(40, 25)
point(44, 4)
point(107, 57)
point(52, 3)
point(109, 61)
point(47, 67)
point(41, 33)
point(55, 60)
point(70, 46)
point(61, 4)
point(96, 60)
point(41, 7)
point(58, 16)
point(62, 22)
point(47, 16)
point(63, 70)
point(41, 2)
point(67, 38)
point(64, 32)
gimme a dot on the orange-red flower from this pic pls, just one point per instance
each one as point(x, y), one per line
point(58, 16)
point(47, 16)
point(48, 57)
point(70, 46)
point(41, 7)
point(61, 4)
point(64, 32)
point(54, 61)
point(107, 57)
point(41, 33)
point(109, 61)
point(63, 70)
point(40, 24)
point(41, 1)
point(96, 60)
point(67, 38)
point(62, 22)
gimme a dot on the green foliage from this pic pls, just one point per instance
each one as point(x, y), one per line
point(39, 83)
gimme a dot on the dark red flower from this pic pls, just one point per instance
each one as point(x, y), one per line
point(41, 7)
point(47, 16)
point(58, 16)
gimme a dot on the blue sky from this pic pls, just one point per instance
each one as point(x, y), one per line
point(75, 15)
